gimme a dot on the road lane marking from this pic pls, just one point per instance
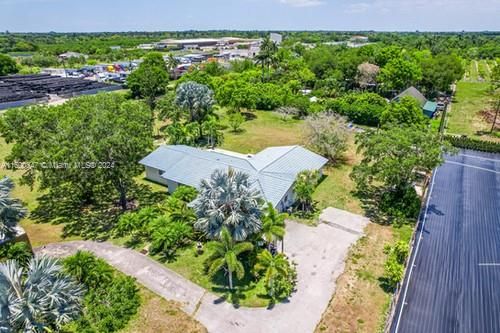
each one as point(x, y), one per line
point(472, 166)
point(480, 158)
point(403, 302)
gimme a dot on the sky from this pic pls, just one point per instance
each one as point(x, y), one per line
point(170, 15)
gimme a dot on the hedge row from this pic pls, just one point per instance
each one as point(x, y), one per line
point(474, 144)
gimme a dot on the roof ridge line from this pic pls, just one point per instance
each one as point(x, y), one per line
point(279, 158)
point(207, 159)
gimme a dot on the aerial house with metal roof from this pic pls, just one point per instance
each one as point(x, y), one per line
point(429, 108)
point(272, 171)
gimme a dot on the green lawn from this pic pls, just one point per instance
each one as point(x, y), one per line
point(38, 233)
point(263, 129)
point(191, 265)
point(464, 118)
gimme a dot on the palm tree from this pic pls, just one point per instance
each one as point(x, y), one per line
point(304, 188)
point(272, 268)
point(196, 98)
point(273, 225)
point(213, 131)
point(225, 256)
point(39, 299)
point(266, 56)
point(228, 200)
point(171, 62)
point(11, 210)
point(178, 210)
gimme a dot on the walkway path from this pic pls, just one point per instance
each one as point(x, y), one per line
point(319, 252)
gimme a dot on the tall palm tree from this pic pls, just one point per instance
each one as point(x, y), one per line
point(212, 129)
point(37, 299)
point(11, 210)
point(272, 268)
point(266, 56)
point(225, 256)
point(228, 200)
point(273, 225)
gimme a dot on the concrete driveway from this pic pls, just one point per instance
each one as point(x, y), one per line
point(319, 252)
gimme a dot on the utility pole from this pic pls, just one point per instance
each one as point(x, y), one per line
point(497, 109)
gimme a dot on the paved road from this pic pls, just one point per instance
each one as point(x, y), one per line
point(147, 271)
point(319, 252)
point(453, 286)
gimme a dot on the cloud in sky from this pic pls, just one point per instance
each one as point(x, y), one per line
point(303, 3)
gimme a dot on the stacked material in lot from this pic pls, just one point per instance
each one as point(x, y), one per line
point(18, 90)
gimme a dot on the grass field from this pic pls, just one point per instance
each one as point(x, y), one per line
point(263, 129)
point(464, 118)
point(39, 234)
point(360, 303)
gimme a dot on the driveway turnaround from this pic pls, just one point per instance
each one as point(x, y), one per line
point(319, 252)
point(147, 271)
point(452, 283)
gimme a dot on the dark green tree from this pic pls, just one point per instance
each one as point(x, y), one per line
point(150, 80)
point(84, 148)
point(7, 65)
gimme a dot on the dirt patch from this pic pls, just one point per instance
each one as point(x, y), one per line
point(359, 303)
point(159, 315)
point(489, 117)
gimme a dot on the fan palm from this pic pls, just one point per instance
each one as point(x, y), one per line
point(11, 210)
point(273, 225)
point(227, 200)
point(38, 299)
point(225, 256)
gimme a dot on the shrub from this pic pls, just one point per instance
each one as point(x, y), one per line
point(136, 222)
point(111, 300)
point(394, 266)
point(235, 121)
point(169, 237)
point(474, 144)
point(20, 251)
point(109, 309)
point(89, 270)
point(185, 193)
point(403, 203)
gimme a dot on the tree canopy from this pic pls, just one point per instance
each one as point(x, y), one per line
point(84, 148)
point(7, 65)
point(227, 200)
point(150, 79)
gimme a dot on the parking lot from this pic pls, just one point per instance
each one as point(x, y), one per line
point(454, 274)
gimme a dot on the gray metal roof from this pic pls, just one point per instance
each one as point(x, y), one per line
point(413, 92)
point(272, 171)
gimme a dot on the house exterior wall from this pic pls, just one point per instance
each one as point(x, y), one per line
point(172, 186)
point(287, 200)
point(154, 175)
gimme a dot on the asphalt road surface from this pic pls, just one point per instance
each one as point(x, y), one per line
point(453, 284)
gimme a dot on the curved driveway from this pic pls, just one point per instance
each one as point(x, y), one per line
point(319, 252)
